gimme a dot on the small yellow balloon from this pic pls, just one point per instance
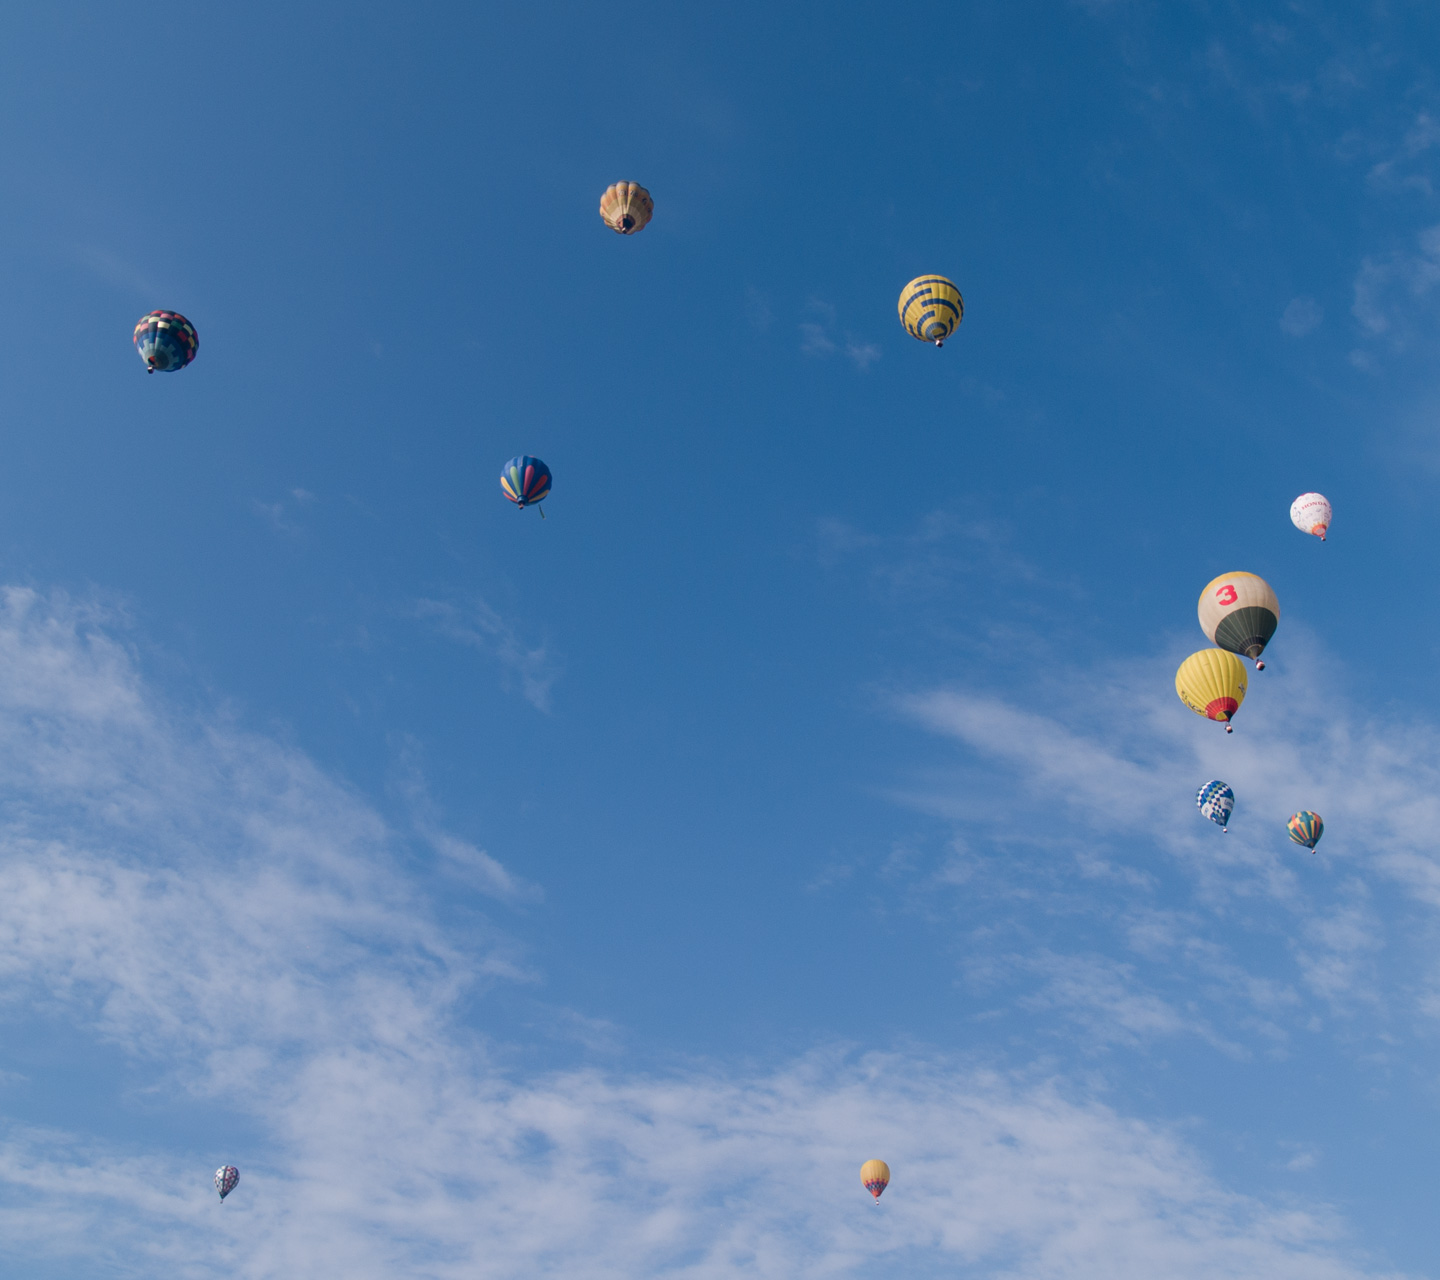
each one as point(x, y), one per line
point(875, 1175)
point(931, 308)
point(1212, 684)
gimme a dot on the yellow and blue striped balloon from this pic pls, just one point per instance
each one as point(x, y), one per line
point(931, 308)
point(1306, 828)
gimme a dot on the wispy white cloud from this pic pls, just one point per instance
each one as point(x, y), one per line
point(1394, 289)
point(1113, 1002)
point(152, 866)
point(210, 908)
point(1095, 782)
point(1301, 316)
point(814, 341)
point(820, 336)
point(1398, 169)
point(120, 272)
point(861, 354)
point(418, 1168)
point(459, 857)
point(279, 515)
point(758, 310)
point(477, 625)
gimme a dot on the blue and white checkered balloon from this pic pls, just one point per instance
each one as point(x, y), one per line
point(1216, 801)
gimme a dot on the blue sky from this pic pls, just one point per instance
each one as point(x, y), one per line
point(591, 897)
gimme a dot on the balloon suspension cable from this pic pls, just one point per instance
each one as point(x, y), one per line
point(540, 507)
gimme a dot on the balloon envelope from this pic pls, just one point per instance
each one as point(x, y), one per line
point(931, 308)
point(1239, 612)
point(626, 207)
point(525, 480)
point(166, 341)
point(1212, 684)
point(875, 1175)
point(1217, 802)
point(226, 1178)
point(1306, 828)
point(1311, 513)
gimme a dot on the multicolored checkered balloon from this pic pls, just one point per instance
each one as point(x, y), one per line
point(166, 341)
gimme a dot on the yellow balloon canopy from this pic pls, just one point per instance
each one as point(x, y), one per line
point(1212, 684)
point(931, 308)
point(626, 207)
point(875, 1175)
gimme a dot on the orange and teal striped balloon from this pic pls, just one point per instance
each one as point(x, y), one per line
point(1306, 828)
point(931, 308)
point(525, 481)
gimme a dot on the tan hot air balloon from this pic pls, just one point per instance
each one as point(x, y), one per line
point(626, 207)
point(875, 1175)
point(1239, 612)
point(1212, 684)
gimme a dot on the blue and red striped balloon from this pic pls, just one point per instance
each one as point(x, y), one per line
point(525, 481)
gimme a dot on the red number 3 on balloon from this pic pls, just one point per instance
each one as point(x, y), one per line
point(1226, 594)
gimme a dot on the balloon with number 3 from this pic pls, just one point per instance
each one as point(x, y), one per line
point(1239, 612)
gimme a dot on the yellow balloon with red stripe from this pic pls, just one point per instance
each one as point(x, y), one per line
point(875, 1175)
point(1212, 684)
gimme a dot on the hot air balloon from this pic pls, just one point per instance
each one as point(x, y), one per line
point(166, 341)
point(1311, 513)
point(526, 480)
point(1306, 828)
point(626, 207)
point(226, 1178)
point(1239, 612)
point(930, 308)
point(1216, 802)
point(875, 1174)
point(1212, 683)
